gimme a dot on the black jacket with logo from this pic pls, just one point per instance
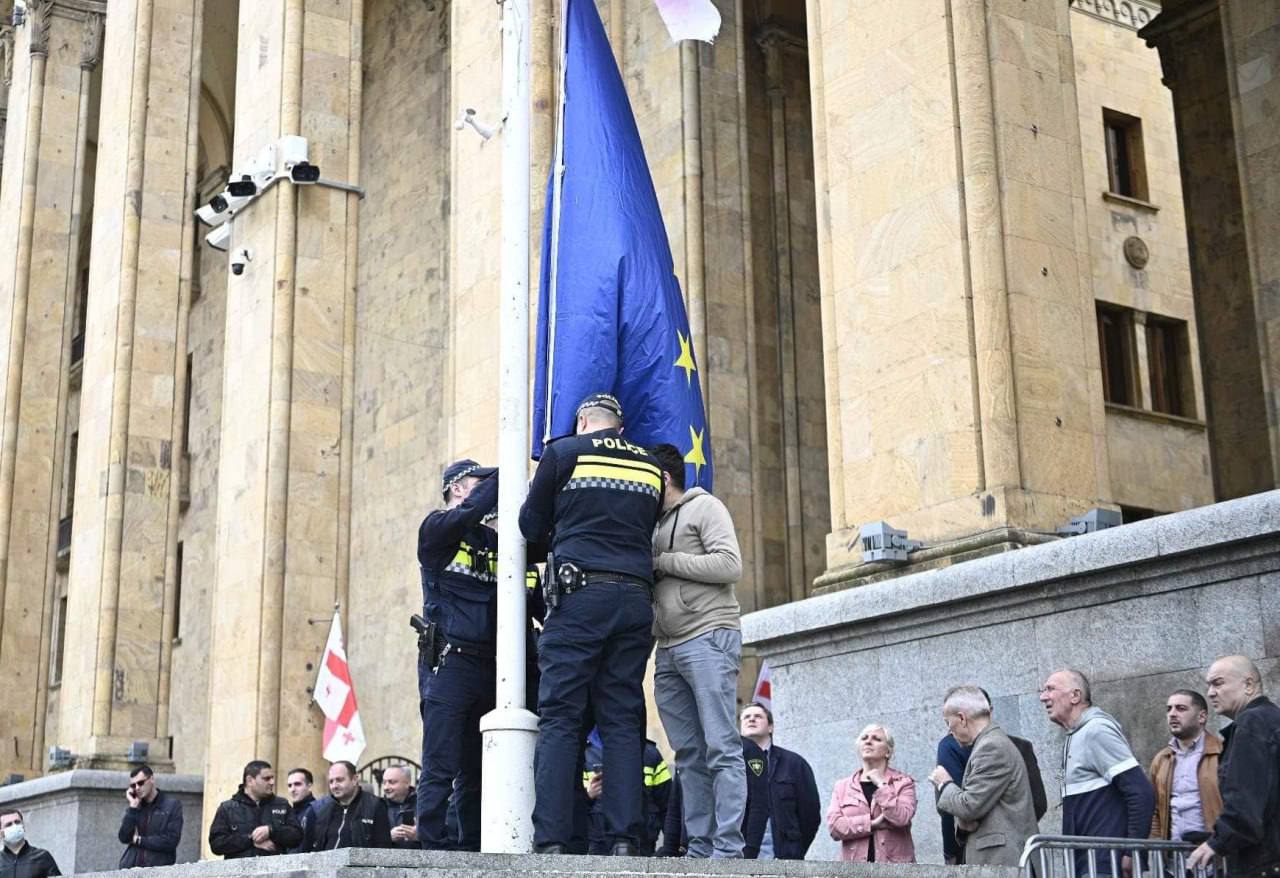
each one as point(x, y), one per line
point(794, 810)
point(755, 815)
point(601, 495)
point(28, 862)
point(362, 824)
point(230, 834)
point(158, 824)
point(1247, 832)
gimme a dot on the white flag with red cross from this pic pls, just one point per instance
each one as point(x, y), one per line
point(764, 689)
point(336, 695)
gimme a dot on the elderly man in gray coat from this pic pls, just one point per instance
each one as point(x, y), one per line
point(993, 801)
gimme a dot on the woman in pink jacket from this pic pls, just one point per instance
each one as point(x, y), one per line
point(870, 813)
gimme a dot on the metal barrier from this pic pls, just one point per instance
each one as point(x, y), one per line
point(1054, 856)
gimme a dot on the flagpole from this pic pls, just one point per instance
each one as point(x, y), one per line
point(510, 730)
point(557, 191)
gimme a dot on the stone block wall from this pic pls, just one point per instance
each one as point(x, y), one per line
point(1141, 609)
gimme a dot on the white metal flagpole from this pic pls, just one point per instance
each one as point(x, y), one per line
point(510, 730)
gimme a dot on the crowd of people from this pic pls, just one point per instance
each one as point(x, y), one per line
point(635, 559)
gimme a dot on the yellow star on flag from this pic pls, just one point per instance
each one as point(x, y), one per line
point(685, 361)
point(695, 455)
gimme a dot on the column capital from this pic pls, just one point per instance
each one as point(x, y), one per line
point(6, 55)
point(91, 40)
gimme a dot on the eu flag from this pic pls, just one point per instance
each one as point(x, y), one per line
point(615, 321)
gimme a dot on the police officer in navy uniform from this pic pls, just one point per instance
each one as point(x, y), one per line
point(595, 496)
point(456, 671)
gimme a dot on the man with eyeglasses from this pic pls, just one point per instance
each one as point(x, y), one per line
point(152, 824)
point(1105, 793)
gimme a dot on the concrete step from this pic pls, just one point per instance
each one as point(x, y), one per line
point(369, 863)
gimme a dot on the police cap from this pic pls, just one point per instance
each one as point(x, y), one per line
point(460, 469)
point(601, 401)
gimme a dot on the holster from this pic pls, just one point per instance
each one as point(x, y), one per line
point(430, 641)
point(551, 585)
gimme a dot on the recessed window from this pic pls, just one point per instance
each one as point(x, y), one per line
point(59, 642)
point(177, 595)
point(1126, 170)
point(1115, 346)
point(1168, 353)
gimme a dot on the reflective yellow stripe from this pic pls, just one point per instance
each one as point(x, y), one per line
point(643, 465)
point(619, 473)
point(531, 579)
point(656, 775)
point(586, 779)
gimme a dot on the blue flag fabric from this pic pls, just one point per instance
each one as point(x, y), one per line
point(619, 323)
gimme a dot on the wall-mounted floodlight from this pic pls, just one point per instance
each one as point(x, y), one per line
point(880, 542)
point(1093, 520)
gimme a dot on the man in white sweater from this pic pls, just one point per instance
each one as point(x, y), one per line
point(696, 562)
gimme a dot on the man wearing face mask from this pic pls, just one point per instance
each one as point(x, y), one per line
point(19, 859)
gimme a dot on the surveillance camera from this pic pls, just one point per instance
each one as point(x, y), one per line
point(221, 208)
point(468, 117)
point(240, 259)
point(219, 238)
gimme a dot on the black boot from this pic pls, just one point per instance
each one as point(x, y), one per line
point(552, 848)
point(623, 848)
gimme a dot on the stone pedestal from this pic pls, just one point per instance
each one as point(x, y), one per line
point(1142, 610)
point(372, 863)
point(75, 815)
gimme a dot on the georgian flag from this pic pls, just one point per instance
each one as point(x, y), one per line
point(764, 689)
point(334, 692)
point(690, 19)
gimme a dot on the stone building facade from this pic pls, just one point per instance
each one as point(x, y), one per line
point(936, 256)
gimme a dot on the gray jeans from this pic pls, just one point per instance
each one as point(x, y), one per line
point(696, 687)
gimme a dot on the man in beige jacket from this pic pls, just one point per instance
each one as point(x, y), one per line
point(696, 562)
point(992, 802)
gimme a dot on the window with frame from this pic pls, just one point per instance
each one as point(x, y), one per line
point(1168, 355)
point(1115, 348)
point(1126, 167)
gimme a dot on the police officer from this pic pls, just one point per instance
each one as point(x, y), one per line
point(596, 496)
point(456, 657)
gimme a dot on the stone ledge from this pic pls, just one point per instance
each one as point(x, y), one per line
point(1090, 561)
point(96, 779)
point(352, 862)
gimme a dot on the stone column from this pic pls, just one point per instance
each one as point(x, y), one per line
point(138, 273)
point(1252, 37)
point(963, 386)
point(1217, 60)
point(282, 504)
point(39, 279)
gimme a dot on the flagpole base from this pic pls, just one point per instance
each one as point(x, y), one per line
point(507, 795)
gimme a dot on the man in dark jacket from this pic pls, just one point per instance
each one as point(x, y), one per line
point(401, 801)
point(300, 781)
point(152, 824)
point(17, 858)
point(794, 810)
point(348, 817)
point(255, 822)
point(1247, 832)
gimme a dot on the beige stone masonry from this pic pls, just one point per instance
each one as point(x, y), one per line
point(282, 503)
point(59, 46)
point(121, 557)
